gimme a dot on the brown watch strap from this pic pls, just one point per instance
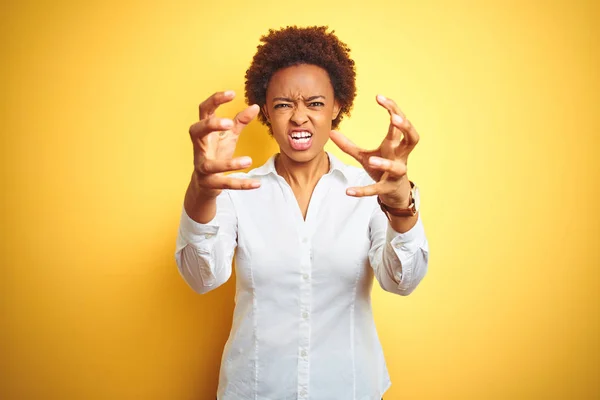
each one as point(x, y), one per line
point(399, 212)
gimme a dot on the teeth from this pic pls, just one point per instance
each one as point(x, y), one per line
point(301, 135)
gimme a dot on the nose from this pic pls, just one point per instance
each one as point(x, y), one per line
point(299, 115)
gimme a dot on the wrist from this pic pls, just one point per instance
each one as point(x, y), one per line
point(403, 208)
point(401, 198)
point(202, 193)
point(199, 205)
point(392, 203)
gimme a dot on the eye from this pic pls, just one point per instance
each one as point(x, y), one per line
point(316, 104)
point(282, 105)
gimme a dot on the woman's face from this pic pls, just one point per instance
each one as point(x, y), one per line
point(300, 108)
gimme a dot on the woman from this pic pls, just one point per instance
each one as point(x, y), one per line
point(310, 232)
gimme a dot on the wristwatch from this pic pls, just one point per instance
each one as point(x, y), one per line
point(412, 209)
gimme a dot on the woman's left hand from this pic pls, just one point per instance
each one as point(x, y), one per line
point(387, 164)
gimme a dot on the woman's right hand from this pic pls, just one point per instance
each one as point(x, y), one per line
point(214, 140)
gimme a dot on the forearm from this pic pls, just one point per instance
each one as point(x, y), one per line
point(200, 205)
point(403, 224)
point(405, 259)
point(204, 251)
point(203, 257)
point(399, 259)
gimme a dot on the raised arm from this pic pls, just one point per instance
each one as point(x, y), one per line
point(214, 140)
point(208, 228)
point(399, 250)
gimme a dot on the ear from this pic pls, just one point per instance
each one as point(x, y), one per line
point(265, 112)
point(336, 109)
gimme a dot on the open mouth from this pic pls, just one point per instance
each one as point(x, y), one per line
point(300, 140)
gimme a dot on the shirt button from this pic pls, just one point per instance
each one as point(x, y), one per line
point(305, 276)
point(303, 393)
point(399, 245)
point(305, 240)
point(208, 235)
point(303, 353)
point(305, 315)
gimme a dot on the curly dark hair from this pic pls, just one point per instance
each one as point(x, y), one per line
point(293, 46)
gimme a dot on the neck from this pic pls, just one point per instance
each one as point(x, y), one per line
point(302, 173)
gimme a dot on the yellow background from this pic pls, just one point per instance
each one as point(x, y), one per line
point(96, 101)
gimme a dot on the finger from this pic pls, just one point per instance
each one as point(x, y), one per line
point(212, 124)
point(392, 108)
point(394, 134)
point(390, 105)
point(218, 166)
point(395, 168)
point(208, 107)
point(399, 121)
point(244, 117)
point(224, 182)
point(371, 190)
point(346, 145)
point(411, 137)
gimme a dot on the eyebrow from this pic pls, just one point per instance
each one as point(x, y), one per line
point(291, 100)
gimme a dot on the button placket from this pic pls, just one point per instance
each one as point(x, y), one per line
point(305, 309)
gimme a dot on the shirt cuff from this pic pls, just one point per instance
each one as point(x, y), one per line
point(405, 245)
point(409, 241)
point(202, 236)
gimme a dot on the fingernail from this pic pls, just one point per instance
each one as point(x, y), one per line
point(226, 123)
point(229, 93)
point(375, 161)
point(255, 185)
point(381, 97)
point(397, 119)
point(245, 162)
point(350, 192)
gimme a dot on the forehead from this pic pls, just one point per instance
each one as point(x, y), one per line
point(300, 80)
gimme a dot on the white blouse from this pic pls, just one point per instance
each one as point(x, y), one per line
point(303, 326)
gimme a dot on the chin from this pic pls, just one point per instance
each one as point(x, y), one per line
point(303, 156)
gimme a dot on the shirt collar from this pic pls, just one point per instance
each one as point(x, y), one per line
point(269, 167)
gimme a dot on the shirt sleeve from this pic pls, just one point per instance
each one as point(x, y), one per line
point(399, 260)
point(204, 252)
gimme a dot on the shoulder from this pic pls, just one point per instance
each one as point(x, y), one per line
point(356, 176)
point(239, 175)
point(256, 173)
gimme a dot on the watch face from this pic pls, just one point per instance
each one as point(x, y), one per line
point(416, 198)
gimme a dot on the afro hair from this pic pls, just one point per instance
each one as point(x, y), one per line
point(294, 46)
